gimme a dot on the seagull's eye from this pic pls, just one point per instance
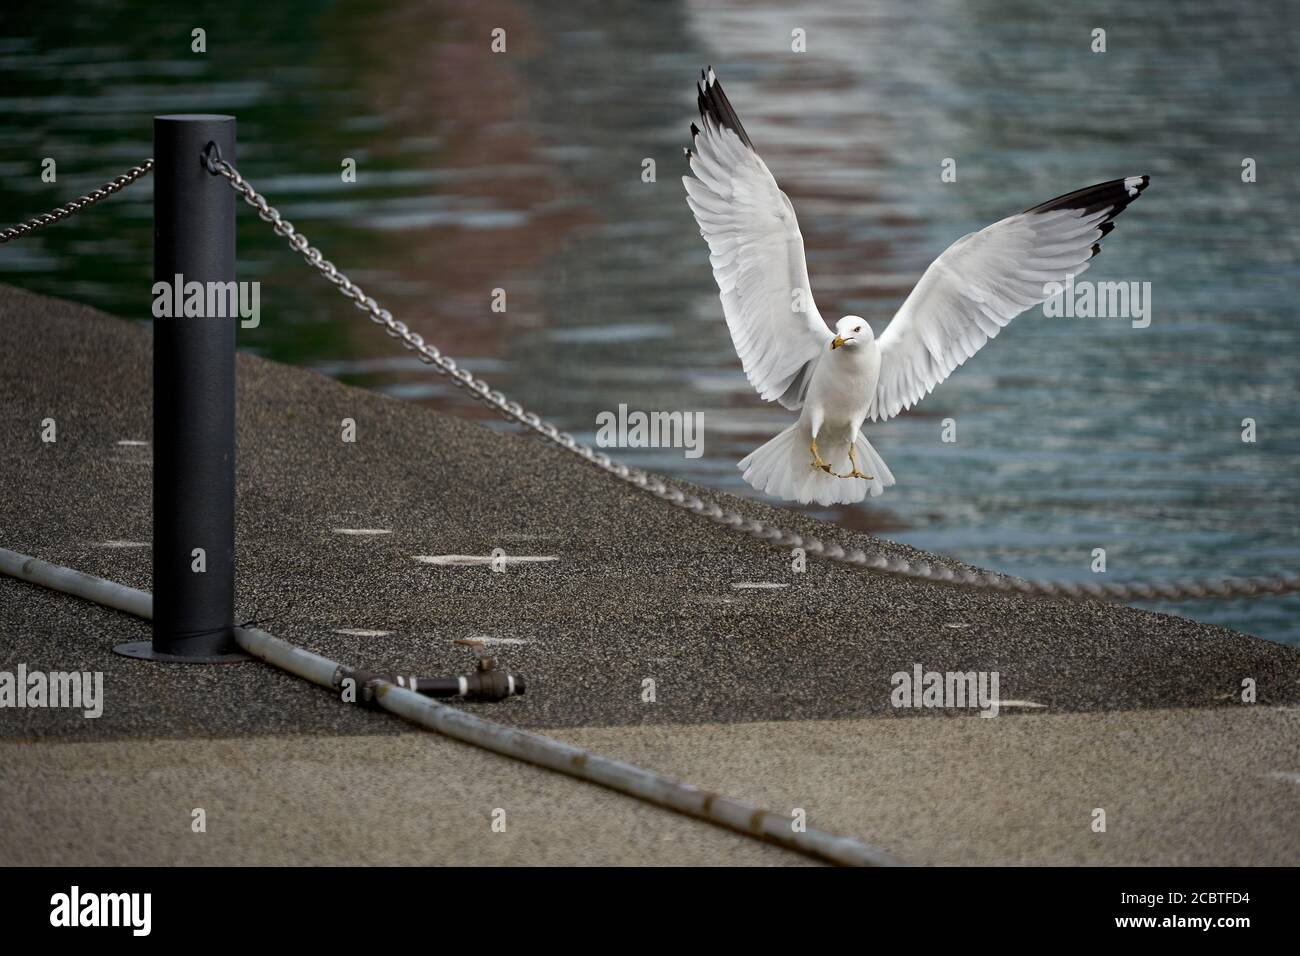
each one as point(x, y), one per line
point(858, 329)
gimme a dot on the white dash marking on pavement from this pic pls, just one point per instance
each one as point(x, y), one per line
point(713, 599)
point(957, 627)
point(496, 640)
point(123, 544)
point(132, 443)
point(360, 632)
point(467, 560)
point(758, 585)
point(1289, 776)
point(1018, 703)
point(363, 531)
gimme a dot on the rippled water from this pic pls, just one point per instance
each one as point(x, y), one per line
point(523, 171)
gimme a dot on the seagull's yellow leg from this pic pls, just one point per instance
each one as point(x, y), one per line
point(854, 473)
point(817, 459)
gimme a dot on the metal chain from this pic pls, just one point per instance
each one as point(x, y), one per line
point(763, 530)
point(78, 204)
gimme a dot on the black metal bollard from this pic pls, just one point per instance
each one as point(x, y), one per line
point(194, 401)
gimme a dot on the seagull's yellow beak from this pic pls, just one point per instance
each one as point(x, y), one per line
point(839, 340)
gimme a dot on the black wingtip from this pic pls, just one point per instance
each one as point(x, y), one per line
point(713, 103)
point(1113, 196)
point(1116, 193)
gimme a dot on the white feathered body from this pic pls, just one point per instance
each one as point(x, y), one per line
point(839, 395)
point(838, 401)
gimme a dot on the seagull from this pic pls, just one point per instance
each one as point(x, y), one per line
point(838, 379)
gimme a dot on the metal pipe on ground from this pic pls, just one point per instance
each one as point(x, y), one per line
point(524, 745)
point(58, 578)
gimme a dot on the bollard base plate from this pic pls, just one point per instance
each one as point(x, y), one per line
point(143, 650)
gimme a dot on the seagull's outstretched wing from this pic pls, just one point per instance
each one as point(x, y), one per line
point(983, 281)
point(756, 251)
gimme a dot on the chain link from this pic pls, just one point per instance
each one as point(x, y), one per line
point(78, 204)
point(479, 390)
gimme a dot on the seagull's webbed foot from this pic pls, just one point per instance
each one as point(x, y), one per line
point(854, 473)
point(817, 459)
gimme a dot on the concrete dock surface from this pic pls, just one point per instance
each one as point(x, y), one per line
point(777, 695)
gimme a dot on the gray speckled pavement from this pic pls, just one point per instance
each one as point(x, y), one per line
point(1186, 787)
point(639, 590)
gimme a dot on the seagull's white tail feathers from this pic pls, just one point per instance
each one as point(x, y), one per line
point(783, 468)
